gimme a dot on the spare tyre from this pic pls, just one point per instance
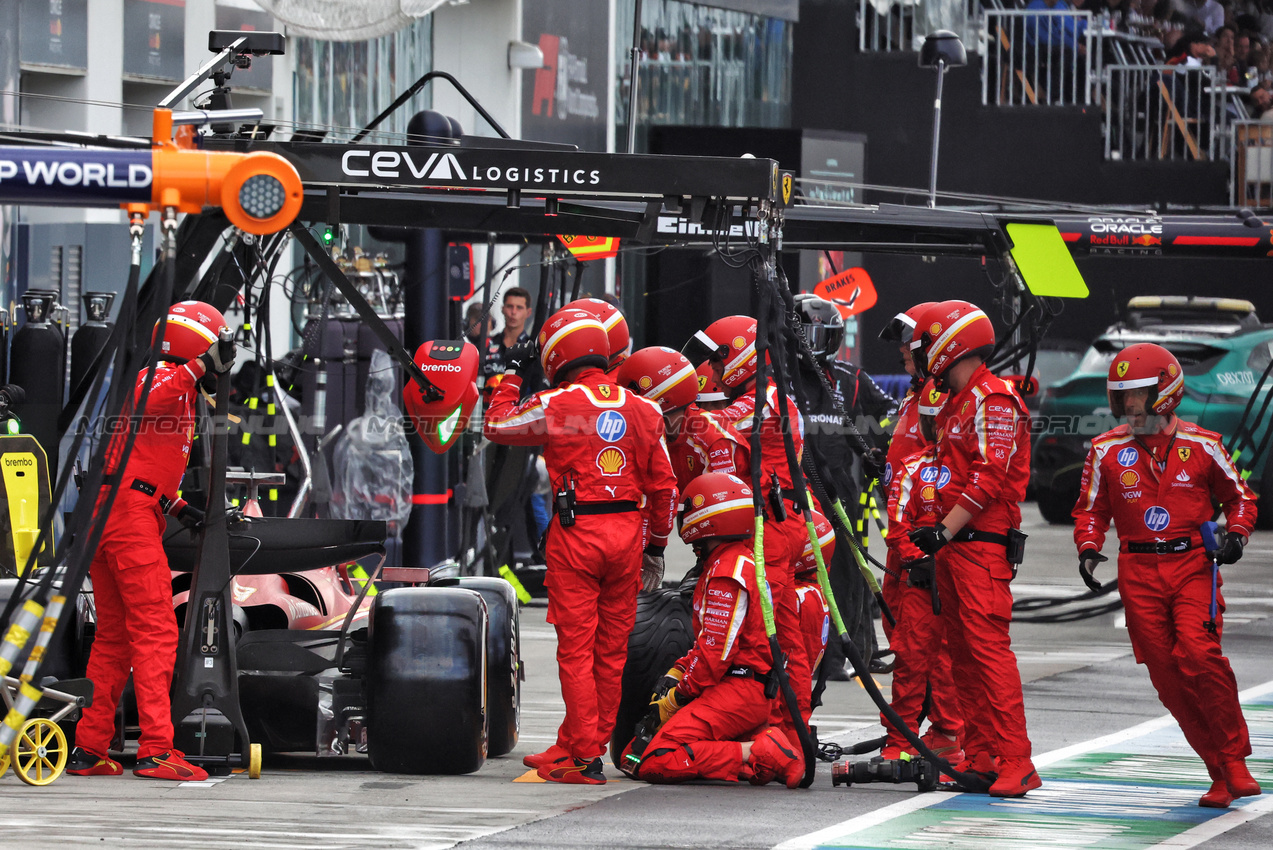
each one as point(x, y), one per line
point(426, 680)
point(661, 634)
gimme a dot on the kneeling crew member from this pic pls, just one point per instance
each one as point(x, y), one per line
point(729, 344)
point(921, 655)
point(714, 702)
point(1156, 477)
point(605, 454)
point(132, 586)
point(983, 438)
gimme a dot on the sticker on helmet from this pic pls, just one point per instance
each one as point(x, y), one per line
point(1122, 368)
point(611, 461)
point(1128, 456)
point(697, 501)
point(611, 426)
point(1171, 369)
point(739, 342)
point(645, 382)
point(935, 328)
point(1157, 518)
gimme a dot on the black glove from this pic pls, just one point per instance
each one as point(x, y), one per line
point(521, 356)
point(873, 463)
point(190, 516)
point(1088, 559)
point(921, 573)
point(219, 357)
point(929, 539)
point(1230, 551)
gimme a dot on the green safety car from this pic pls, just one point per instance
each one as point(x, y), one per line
point(1225, 352)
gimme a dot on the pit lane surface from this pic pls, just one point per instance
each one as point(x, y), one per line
point(1081, 684)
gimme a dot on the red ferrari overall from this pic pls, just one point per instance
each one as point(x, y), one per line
point(815, 618)
point(1158, 491)
point(983, 442)
point(722, 679)
point(906, 439)
point(608, 443)
point(707, 443)
point(783, 543)
point(918, 641)
point(132, 586)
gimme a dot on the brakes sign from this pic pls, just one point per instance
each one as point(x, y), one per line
point(851, 291)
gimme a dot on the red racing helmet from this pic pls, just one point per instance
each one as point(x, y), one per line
point(1146, 365)
point(730, 341)
point(192, 327)
point(826, 541)
point(612, 320)
point(709, 391)
point(660, 374)
point(572, 338)
point(947, 332)
point(901, 328)
point(716, 506)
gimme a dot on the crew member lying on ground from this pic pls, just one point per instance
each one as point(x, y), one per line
point(712, 709)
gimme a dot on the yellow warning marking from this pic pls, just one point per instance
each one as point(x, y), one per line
point(530, 776)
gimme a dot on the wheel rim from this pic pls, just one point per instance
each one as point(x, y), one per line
point(40, 752)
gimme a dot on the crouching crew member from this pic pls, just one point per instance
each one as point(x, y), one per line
point(606, 457)
point(713, 708)
point(729, 344)
point(132, 586)
point(921, 656)
point(983, 441)
point(1156, 477)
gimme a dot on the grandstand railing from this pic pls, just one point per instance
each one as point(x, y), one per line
point(1036, 58)
point(1251, 164)
point(900, 25)
point(1163, 112)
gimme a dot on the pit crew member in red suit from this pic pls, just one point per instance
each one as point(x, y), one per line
point(697, 440)
point(729, 344)
point(811, 602)
point(918, 641)
point(907, 438)
point(1156, 477)
point(712, 707)
point(983, 438)
point(132, 586)
point(606, 458)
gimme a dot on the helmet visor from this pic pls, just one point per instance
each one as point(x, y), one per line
point(702, 348)
point(899, 329)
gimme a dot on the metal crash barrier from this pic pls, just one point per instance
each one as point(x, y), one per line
point(1155, 112)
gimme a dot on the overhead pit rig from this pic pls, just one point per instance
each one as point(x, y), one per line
point(746, 210)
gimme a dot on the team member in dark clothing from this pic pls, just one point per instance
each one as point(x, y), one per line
point(832, 449)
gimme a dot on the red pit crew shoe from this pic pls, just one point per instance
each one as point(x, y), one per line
point(171, 765)
point(1239, 780)
point(549, 756)
point(84, 763)
point(773, 754)
point(1016, 777)
point(573, 771)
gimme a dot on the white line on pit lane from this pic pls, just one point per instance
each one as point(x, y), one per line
point(923, 801)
